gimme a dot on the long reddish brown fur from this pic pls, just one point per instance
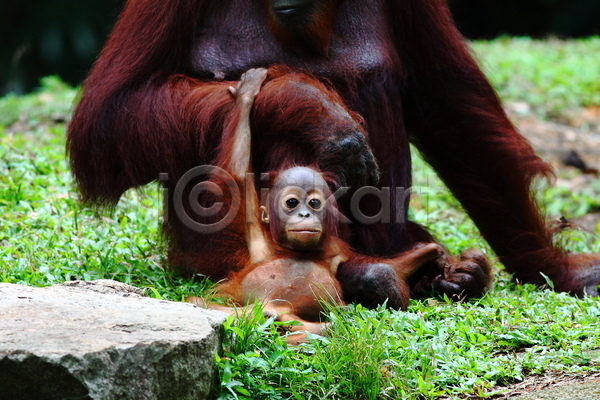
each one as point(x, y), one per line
point(142, 113)
point(466, 136)
point(288, 128)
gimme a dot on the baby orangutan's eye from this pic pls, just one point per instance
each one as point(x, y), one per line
point(315, 204)
point(292, 203)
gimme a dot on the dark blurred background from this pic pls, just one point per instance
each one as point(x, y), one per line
point(63, 37)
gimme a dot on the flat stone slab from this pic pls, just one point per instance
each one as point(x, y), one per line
point(104, 340)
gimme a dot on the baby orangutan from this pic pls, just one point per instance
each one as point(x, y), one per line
point(293, 262)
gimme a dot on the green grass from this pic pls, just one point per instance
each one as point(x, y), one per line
point(551, 75)
point(52, 104)
point(436, 348)
point(47, 237)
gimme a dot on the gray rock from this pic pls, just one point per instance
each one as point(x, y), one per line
point(103, 340)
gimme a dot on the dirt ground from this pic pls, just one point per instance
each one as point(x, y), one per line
point(541, 387)
point(544, 383)
point(571, 140)
point(577, 130)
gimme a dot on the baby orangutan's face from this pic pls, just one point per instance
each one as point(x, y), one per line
point(298, 208)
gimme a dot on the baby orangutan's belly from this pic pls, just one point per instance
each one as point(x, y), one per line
point(300, 286)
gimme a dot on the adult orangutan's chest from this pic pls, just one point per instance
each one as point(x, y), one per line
point(234, 36)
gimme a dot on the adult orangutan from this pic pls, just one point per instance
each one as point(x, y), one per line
point(155, 102)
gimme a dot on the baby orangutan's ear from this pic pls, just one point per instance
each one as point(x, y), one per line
point(264, 214)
